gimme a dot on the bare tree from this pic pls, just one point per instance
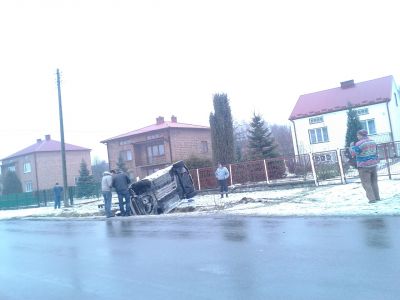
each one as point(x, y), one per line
point(283, 136)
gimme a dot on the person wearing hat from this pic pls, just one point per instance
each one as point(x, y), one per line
point(366, 153)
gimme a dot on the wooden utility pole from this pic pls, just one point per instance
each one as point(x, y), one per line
point(64, 163)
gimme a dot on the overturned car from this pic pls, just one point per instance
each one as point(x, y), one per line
point(162, 191)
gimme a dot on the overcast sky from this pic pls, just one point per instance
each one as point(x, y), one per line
point(124, 63)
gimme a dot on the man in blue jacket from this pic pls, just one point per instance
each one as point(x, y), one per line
point(222, 174)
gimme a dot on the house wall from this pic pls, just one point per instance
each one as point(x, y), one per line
point(336, 123)
point(46, 168)
point(49, 167)
point(394, 108)
point(184, 143)
point(187, 142)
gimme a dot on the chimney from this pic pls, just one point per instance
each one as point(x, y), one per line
point(174, 119)
point(38, 141)
point(47, 136)
point(347, 84)
point(160, 120)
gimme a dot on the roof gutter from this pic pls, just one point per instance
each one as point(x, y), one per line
point(295, 136)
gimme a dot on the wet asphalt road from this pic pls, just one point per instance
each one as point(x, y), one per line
point(201, 258)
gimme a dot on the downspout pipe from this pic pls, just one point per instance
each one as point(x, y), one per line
point(295, 137)
point(390, 122)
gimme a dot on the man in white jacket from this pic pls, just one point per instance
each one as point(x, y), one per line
point(222, 174)
point(106, 184)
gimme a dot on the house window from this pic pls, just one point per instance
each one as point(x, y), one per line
point(28, 186)
point(369, 126)
point(155, 150)
point(11, 168)
point(27, 167)
point(125, 142)
point(126, 155)
point(362, 111)
point(318, 135)
point(204, 147)
point(153, 136)
point(324, 158)
point(316, 120)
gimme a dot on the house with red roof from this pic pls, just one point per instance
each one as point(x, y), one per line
point(153, 147)
point(319, 119)
point(39, 166)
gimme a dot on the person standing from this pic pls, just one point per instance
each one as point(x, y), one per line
point(222, 174)
point(106, 185)
point(366, 154)
point(57, 190)
point(121, 183)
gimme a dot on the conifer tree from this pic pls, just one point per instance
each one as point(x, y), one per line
point(11, 183)
point(222, 130)
point(261, 142)
point(86, 186)
point(262, 145)
point(353, 125)
point(121, 165)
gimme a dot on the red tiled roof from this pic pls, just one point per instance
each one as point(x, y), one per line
point(155, 127)
point(46, 146)
point(361, 94)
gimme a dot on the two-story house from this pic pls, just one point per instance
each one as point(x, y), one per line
point(39, 166)
point(319, 120)
point(151, 148)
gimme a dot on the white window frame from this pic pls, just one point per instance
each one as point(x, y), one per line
point(155, 150)
point(28, 186)
point(316, 120)
point(367, 127)
point(204, 147)
point(318, 135)
point(27, 167)
point(362, 111)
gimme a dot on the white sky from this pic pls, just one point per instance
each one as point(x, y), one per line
point(124, 63)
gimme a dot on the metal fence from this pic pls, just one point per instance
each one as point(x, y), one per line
point(37, 198)
point(321, 168)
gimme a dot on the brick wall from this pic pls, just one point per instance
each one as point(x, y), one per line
point(49, 167)
point(187, 142)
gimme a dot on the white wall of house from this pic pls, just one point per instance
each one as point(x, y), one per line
point(394, 108)
point(336, 127)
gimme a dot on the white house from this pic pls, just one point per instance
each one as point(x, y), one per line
point(319, 120)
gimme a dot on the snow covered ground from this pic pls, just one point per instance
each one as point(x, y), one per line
point(332, 200)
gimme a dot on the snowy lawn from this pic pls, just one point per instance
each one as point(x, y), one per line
point(332, 200)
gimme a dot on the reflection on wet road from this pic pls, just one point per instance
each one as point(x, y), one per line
point(201, 258)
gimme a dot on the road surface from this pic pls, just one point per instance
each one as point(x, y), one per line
point(214, 257)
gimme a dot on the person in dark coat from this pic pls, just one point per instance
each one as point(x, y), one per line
point(57, 189)
point(120, 183)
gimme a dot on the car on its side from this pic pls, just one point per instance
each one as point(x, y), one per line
point(162, 191)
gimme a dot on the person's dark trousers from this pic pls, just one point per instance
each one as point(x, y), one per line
point(107, 203)
point(369, 181)
point(223, 187)
point(121, 196)
point(57, 202)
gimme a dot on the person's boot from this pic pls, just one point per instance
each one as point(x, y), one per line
point(222, 195)
point(226, 195)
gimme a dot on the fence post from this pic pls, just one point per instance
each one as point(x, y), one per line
point(339, 156)
point(313, 169)
point(387, 161)
point(230, 173)
point(198, 178)
point(266, 171)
